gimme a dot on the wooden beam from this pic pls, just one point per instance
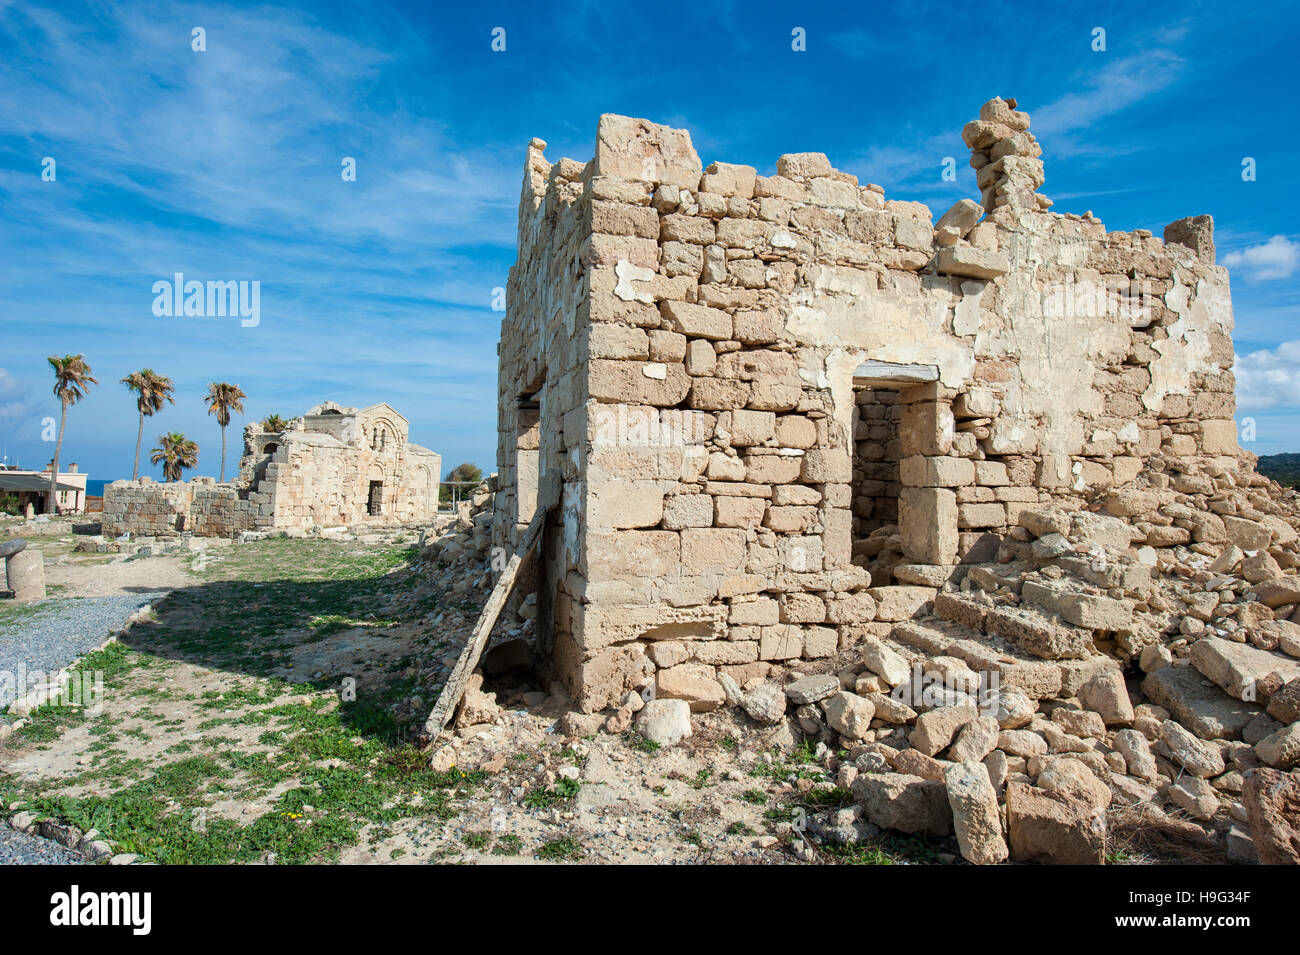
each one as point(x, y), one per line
point(454, 689)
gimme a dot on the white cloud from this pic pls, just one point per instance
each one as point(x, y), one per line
point(1069, 123)
point(16, 405)
point(1278, 258)
point(1269, 378)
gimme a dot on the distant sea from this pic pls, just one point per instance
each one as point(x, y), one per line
point(96, 488)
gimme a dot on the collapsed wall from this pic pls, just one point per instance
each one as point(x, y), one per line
point(775, 412)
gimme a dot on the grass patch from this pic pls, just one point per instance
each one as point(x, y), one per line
point(560, 850)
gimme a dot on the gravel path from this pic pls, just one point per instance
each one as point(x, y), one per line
point(18, 848)
point(54, 633)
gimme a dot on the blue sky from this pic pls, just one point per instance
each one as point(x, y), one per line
point(225, 165)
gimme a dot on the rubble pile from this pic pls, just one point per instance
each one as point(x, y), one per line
point(1134, 664)
point(462, 567)
point(461, 555)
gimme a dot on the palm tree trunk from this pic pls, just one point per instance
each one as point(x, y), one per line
point(139, 436)
point(223, 455)
point(51, 507)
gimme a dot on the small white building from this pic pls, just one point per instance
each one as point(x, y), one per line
point(31, 487)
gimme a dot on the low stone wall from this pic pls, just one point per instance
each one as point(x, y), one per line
point(202, 507)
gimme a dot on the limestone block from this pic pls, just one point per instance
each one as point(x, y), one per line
point(711, 550)
point(921, 471)
point(827, 466)
point(633, 553)
point(928, 523)
point(780, 642)
point(625, 504)
point(731, 511)
point(927, 428)
point(1219, 437)
point(696, 321)
point(637, 149)
point(726, 179)
point(970, 262)
point(803, 166)
point(701, 359)
point(634, 382)
point(750, 428)
point(688, 510)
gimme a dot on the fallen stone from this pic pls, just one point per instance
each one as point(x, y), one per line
point(975, 740)
point(1073, 778)
point(664, 721)
point(812, 689)
point(911, 762)
point(1206, 710)
point(1021, 743)
point(1278, 591)
point(1272, 803)
point(1195, 756)
point(1245, 672)
point(1106, 695)
point(1196, 796)
point(765, 703)
point(935, 730)
point(1014, 707)
point(1284, 705)
point(1282, 749)
point(1053, 828)
point(849, 714)
point(1136, 751)
point(904, 803)
point(884, 662)
point(975, 816)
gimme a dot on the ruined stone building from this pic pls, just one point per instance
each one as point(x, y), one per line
point(767, 407)
point(332, 467)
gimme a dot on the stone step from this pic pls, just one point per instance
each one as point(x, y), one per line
point(1077, 605)
point(1028, 627)
point(936, 636)
point(1198, 703)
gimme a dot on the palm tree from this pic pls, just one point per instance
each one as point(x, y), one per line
point(274, 424)
point(223, 398)
point(72, 381)
point(176, 454)
point(152, 390)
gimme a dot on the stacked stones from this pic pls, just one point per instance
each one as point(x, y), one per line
point(145, 508)
point(1005, 154)
point(877, 451)
point(200, 506)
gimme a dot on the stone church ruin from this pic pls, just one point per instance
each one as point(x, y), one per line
point(332, 467)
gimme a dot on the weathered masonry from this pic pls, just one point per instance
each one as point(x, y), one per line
point(332, 467)
point(770, 410)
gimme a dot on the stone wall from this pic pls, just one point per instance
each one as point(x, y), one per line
point(200, 506)
point(703, 336)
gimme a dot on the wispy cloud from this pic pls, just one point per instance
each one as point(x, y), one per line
point(17, 406)
point(1269, 377)
point(1117, 85)
point(1278, 258)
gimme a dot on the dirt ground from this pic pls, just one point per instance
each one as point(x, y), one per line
point(263, 714)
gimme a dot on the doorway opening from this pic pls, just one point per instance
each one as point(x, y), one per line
point(374, 503)
point(877, 451)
